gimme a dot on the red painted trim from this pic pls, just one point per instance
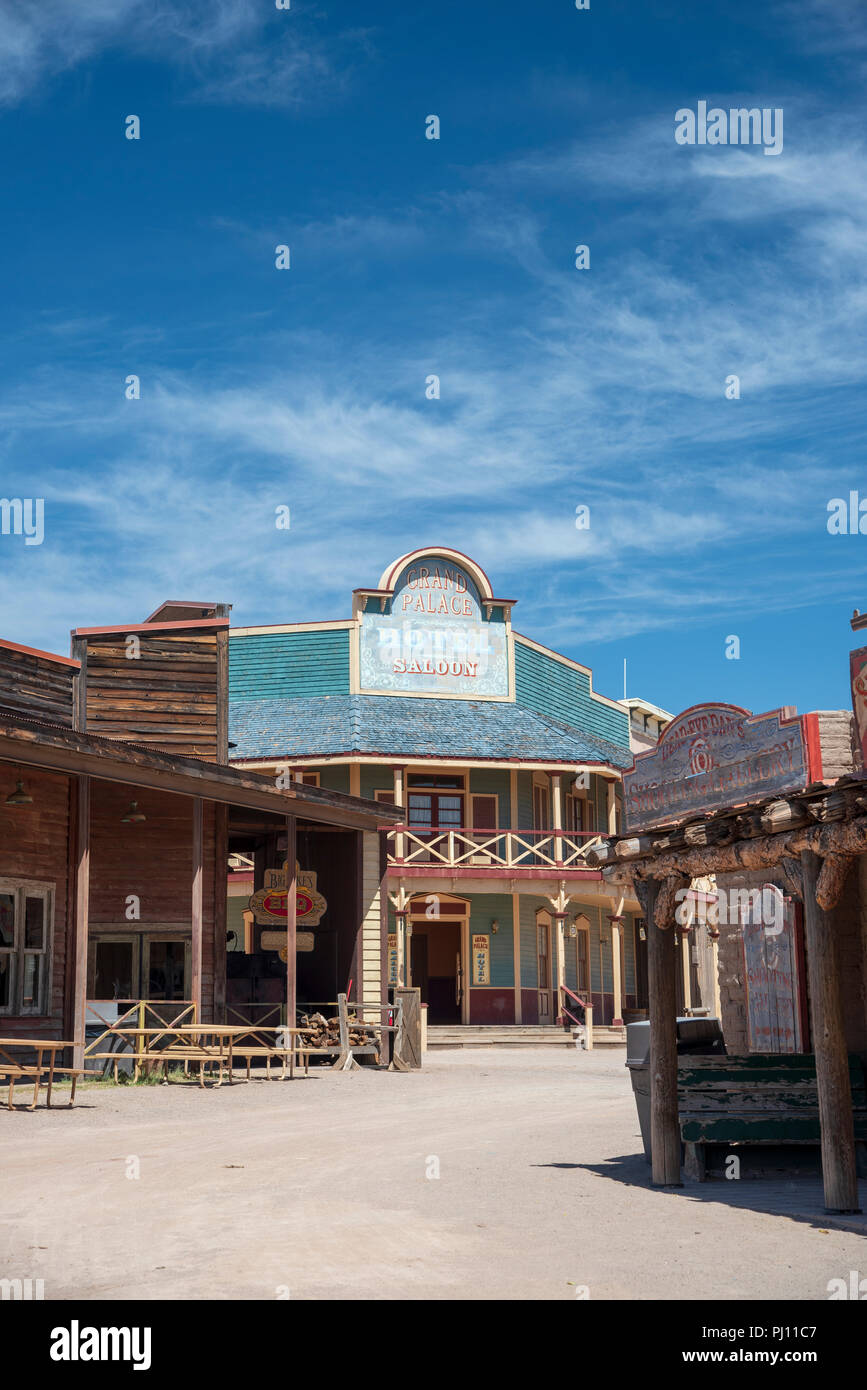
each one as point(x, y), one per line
point(813, 746)
point(212, 623)
point(456, 871)
point(43, 655)
point(178, 603)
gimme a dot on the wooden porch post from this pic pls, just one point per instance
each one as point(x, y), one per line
point(829, 1044)
point(612, 807)
point(516, 952)
point(82, 909)
point(661, 965)
point(616, 970)
point(291, 924)
point(399, 800)
point(196, 907)
point(557, 815)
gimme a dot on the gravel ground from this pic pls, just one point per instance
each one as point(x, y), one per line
point(323, 1189)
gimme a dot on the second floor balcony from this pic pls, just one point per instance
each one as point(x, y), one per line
point(520, 852)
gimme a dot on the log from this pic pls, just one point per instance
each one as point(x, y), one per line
point(840, 837)
point(829, 1044)
point(661, 965)
point(832, 877)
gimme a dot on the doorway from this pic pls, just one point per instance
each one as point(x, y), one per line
point(436, 968)
point(543, 957)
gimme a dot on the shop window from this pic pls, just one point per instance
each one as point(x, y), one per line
point(310, 779)
point(26, 913)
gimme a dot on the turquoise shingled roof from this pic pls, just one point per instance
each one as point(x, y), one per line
point(398, 726)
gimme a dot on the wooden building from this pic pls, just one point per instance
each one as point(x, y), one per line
point(771, 810)
point(117, 811)
point(507, 766)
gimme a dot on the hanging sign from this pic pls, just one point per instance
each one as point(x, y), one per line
point(392, 959)
point(435, 638)
point(276, 941)
point(269, 904)
point(481, 953)
point(772, 980)
point(713, 756)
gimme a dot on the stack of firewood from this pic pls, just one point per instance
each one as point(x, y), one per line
point(325, 1032)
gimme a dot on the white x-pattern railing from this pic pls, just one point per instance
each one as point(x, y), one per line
point(505, 849)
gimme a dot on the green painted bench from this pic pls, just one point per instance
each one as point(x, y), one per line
point(763, 1098)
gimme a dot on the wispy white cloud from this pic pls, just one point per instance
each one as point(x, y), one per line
point(231, 52)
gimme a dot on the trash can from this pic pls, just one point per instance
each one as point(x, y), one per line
point(638, 1062)
point(695, 1036)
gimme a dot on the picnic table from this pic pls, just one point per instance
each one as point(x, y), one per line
point(45, 1066)
point(208, 1044)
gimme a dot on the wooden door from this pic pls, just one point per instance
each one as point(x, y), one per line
point(543, 957)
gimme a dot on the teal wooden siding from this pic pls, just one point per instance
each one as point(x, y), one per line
point(375, 779)
point(282, 665)
point(529, 960)
point(334, 778)
point(629, 952)
point(485, 907)
point(525, 801)
point(548, 686)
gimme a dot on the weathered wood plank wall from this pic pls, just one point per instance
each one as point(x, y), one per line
point(167, 697)
point(38, 686)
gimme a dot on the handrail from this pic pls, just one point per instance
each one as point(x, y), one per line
point(587, 1040)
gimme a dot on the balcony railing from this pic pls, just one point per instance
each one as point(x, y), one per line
point(495, 849)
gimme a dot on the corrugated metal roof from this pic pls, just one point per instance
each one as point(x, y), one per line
point(396, 726)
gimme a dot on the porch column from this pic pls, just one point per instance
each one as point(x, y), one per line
point(557, 815)
point(611, 788)
point(355, 779)
point(661, 964)
point(291, 924)
point(399, 800)
point(196, 909)
point(400, 928)
point(616, 969)
point(829, 1044)
point(82, 910)
point(683, 936)
point(516, 952)
point(560, 936)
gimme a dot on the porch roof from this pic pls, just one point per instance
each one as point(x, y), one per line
point(402, 727)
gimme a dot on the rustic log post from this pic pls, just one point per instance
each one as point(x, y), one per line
point(82, 909)
point(291, 924)
point(196, 909)
point(829, 1044)
point(661, 965)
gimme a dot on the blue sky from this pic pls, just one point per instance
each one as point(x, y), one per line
point(409, 256)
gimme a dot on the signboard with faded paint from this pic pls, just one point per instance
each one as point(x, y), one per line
point(481, 954)
point(858, 673)
point(269, 904)
point(713, 756)
point(436, 637)
point(772, 981)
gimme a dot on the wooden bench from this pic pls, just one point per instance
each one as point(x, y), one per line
point(763, 1098)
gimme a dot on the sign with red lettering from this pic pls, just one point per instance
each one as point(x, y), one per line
point(435, 637)
point(713, 756)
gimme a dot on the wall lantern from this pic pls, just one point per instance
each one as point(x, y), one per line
point(19, 797)
point(495, 925)
point(573, 930)
point(133, 815)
